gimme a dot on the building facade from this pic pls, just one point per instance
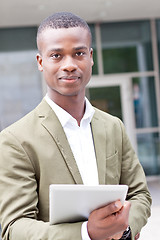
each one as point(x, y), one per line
point(125, 81)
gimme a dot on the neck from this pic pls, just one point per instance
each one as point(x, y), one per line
point(74, 105)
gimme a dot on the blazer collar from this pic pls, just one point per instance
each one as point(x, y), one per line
point(51, 123)
point(99, 138)
point(53, 126)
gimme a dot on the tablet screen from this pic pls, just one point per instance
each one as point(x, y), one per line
point(72, 203)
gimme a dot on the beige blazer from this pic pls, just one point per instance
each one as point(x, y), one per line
point(34, 153)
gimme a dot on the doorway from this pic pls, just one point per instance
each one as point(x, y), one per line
point(114, 95)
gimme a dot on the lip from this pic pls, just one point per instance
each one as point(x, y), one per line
point(69, 78)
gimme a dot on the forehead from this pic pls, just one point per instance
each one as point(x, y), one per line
point(61, 37)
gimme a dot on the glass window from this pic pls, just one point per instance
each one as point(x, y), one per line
point(20, 85)
point(95, 66)
point(149, 152)
point(126, 47)
point(158, 38)
point(107, 99)
point(20, 82)
point(16, 39)
point(144, 98)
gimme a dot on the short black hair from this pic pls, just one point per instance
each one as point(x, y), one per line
point(63, 20)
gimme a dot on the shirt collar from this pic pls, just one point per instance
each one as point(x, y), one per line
point(64, 117)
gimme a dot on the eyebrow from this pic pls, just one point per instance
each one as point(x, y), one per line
point(81, 47)
point(61, 49)
point(55, 50)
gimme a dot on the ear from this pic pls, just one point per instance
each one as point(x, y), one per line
point(91, 56)
point(40, 62)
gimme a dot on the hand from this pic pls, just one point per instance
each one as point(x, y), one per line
point(116, 236)
point(109, 222)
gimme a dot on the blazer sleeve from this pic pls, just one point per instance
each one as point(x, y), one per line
point(19, 198)
point(133, 175)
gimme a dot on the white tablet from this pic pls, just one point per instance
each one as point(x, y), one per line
point(72, 203)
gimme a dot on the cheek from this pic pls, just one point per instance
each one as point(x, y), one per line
point(49, 69)
point(87, 66)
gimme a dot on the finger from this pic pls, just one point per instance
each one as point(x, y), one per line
point(108, 221)
point(125, 208)
point(117, 236)
point(109, 209)
point(127, 204)
point(118, 221)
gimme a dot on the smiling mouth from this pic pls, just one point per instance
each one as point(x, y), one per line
point(69, 78)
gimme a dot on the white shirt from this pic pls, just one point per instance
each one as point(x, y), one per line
point(81, 142)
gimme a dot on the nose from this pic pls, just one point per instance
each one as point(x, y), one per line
point(69, 65)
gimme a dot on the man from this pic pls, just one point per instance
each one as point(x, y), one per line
point(66, 141)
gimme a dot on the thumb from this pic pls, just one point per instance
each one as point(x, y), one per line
point(110, 209)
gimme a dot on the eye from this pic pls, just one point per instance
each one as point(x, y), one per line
point(55, 56)
point(80, 54)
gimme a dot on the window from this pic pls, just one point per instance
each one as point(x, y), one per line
point(126, 47)
point(95, 66)
point(20, 83)
point(149, 152)
point(144, 98)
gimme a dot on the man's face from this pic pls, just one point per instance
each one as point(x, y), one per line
point(65, 60)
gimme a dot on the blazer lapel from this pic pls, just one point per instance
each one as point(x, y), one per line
point(53, 126)
point(100, 146)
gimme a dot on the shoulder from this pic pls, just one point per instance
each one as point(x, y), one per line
point(107, 118)
point(110, 124)
point(29, 122)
